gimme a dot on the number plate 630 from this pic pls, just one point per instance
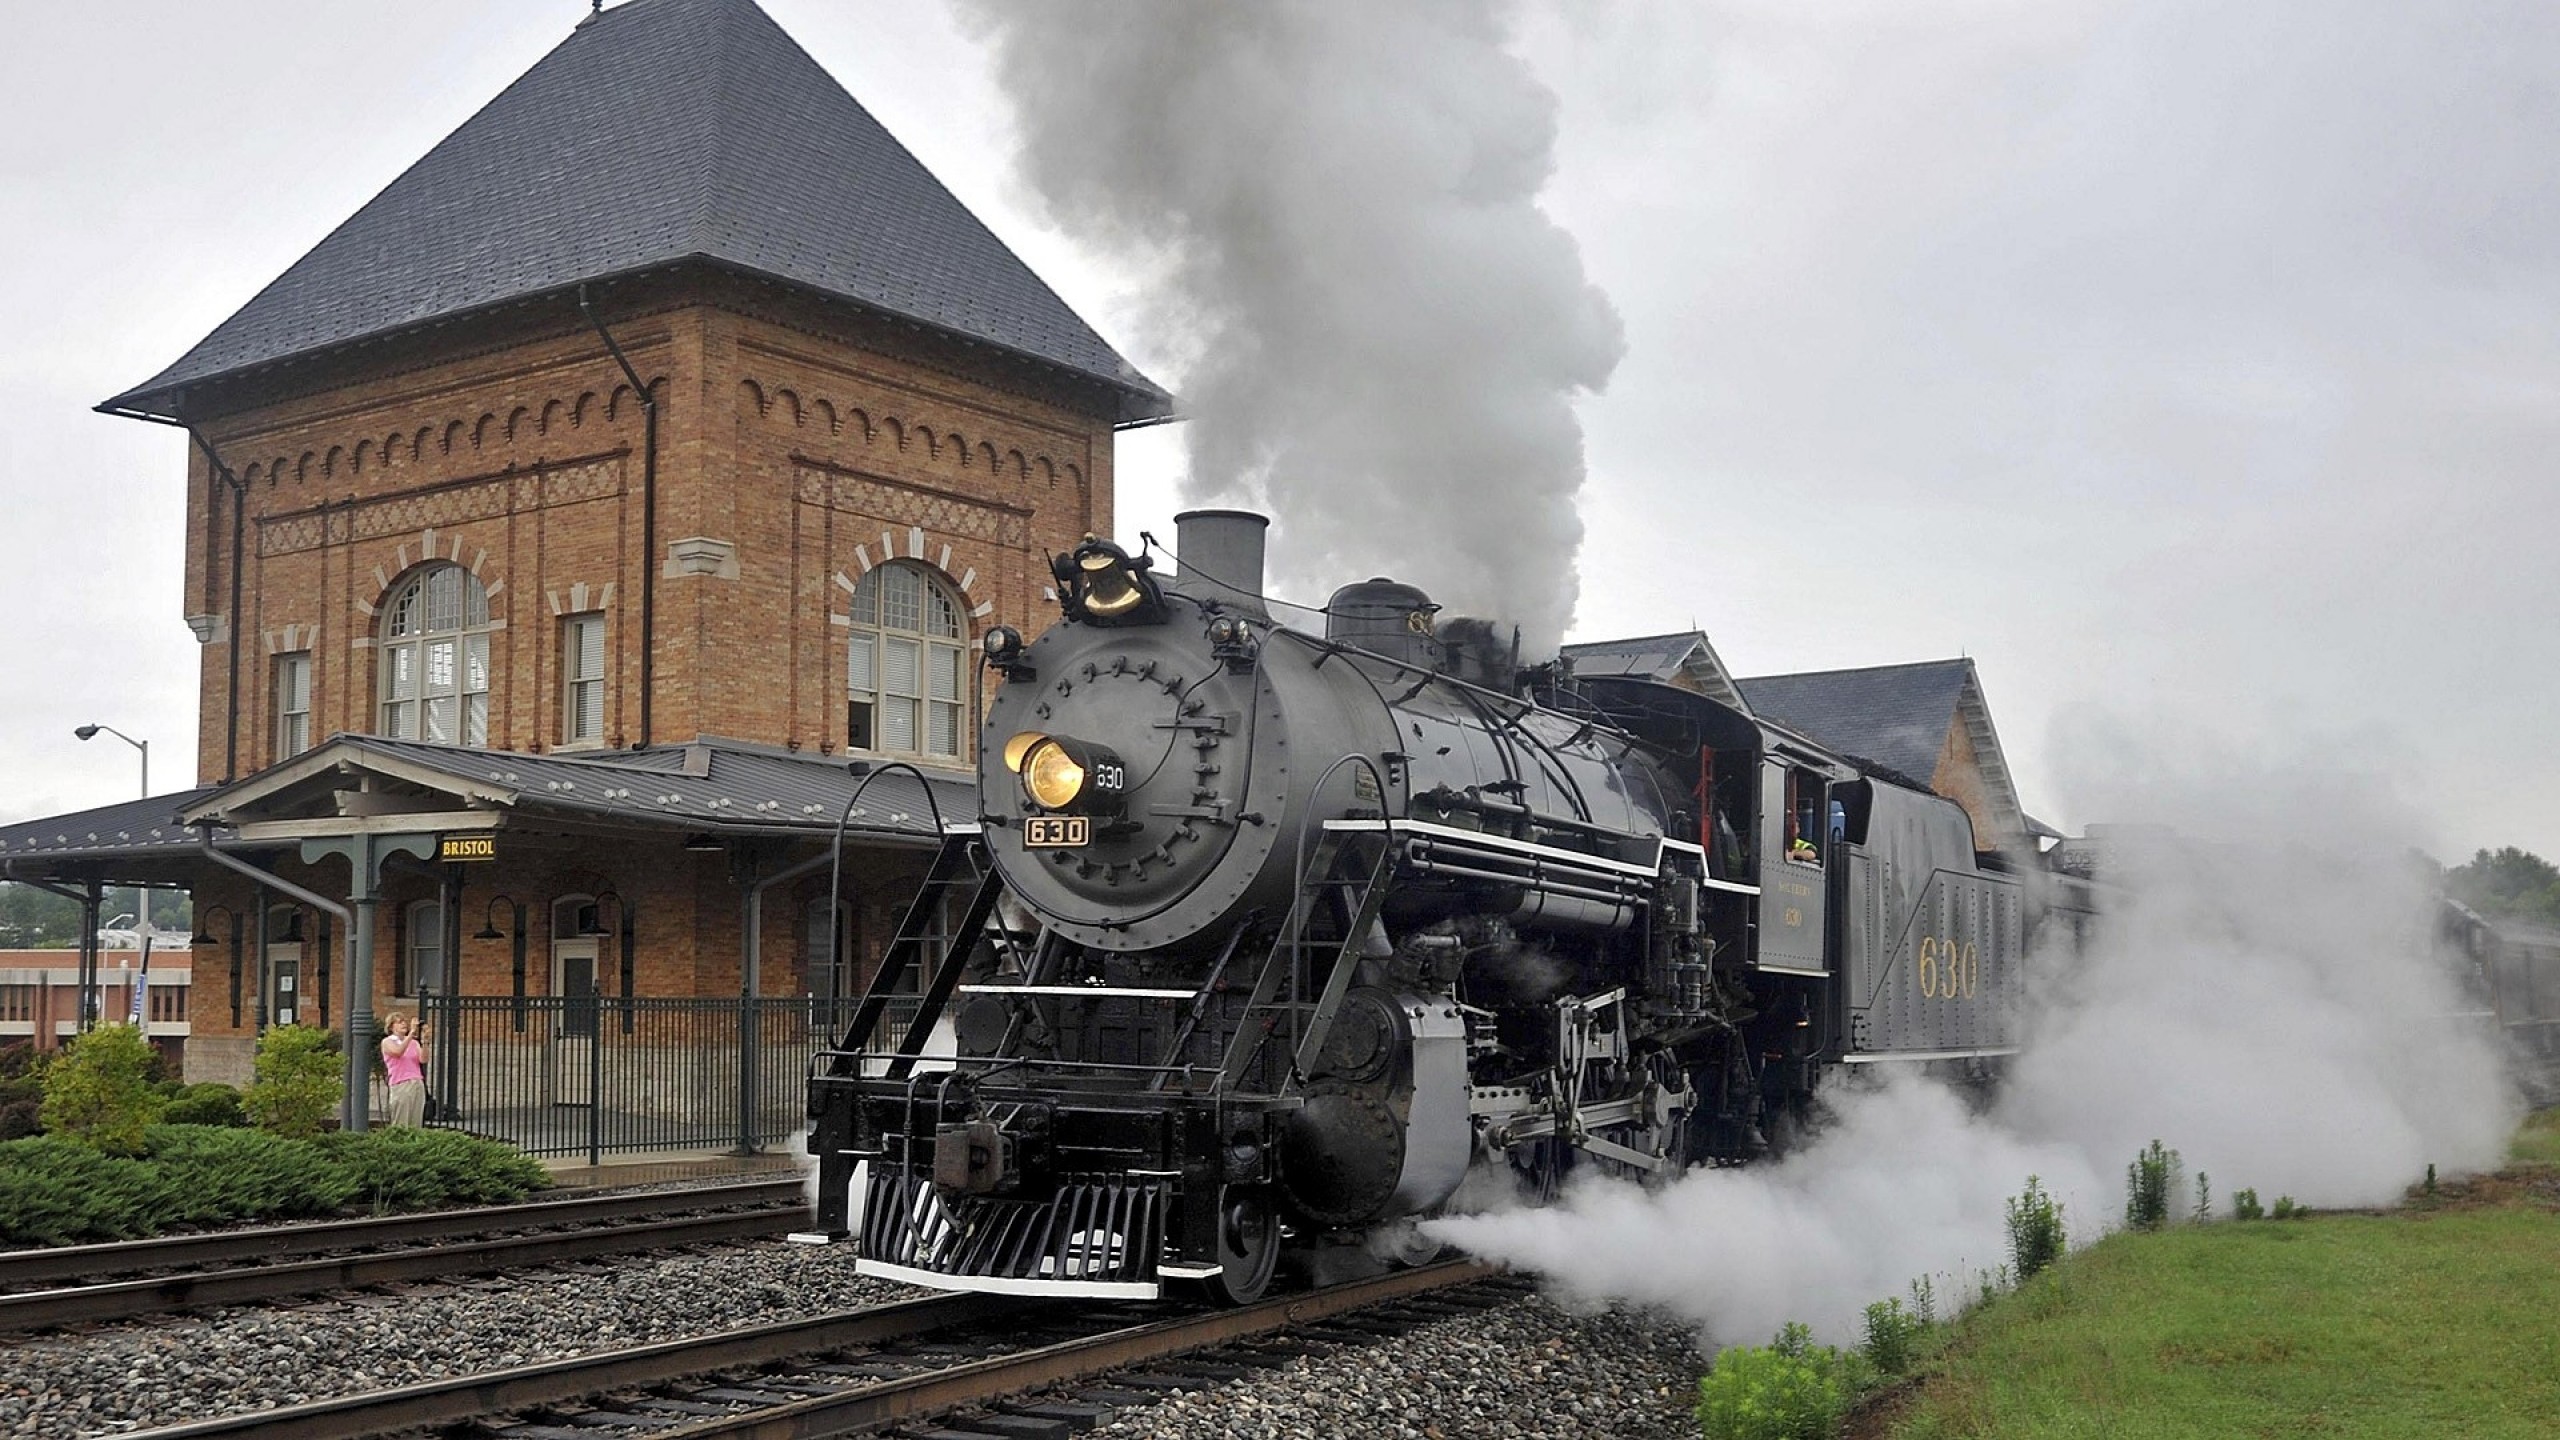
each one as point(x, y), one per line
point(1056, 832)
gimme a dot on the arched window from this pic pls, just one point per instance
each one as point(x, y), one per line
point(435, 659)
point(903, 665)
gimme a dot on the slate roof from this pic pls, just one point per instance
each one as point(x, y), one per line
point(714, 785)
point(1658, 657)
point(132, 829)
point(1898, 716)
point(660, 131)
point(1894, 715)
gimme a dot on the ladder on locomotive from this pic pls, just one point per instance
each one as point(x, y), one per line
point(961, 867)
point(1342, 882)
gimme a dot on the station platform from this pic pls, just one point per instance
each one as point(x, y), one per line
point(675, 1167)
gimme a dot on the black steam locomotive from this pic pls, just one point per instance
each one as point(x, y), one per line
point(1265, 943)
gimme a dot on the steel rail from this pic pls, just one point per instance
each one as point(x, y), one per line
point(21, 1268)
point(860, 1406)
point(978, 1381)
point(468, 1397)
point(130, 1299)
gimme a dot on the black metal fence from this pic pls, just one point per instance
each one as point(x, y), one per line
point(601, 1075)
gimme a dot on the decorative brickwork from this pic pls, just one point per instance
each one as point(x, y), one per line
point(439, 506)
point(974, 516)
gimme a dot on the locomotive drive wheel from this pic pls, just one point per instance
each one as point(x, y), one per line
point(1248, 1245)
point(1538, 1166)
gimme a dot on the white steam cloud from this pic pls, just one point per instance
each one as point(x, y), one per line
point(1378, 333)
point(2267, 1004)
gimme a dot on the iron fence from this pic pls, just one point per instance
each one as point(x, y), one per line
point(601, 1075)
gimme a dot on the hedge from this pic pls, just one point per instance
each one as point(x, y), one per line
point(58, 1192)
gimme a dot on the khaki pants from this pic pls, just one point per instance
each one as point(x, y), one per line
point(407, 1105)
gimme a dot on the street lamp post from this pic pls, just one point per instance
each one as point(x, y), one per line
point(141, 897)
point(90, 732)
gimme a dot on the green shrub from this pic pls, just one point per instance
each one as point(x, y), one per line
point(57, 1191)
point(298, 1083)
point(224, 1174)
point(1893, 1336)
point(54, 1191)
point(2244, 1205)
point(2036, 1236)
point(412, 1169)
point(20, 1059)
point(211, 1103)
point(1790, 1389)
point(2204, 1197)
point(2148, 1183)
point(2286, 1210)
point(99, 1091)
point(21, 1105)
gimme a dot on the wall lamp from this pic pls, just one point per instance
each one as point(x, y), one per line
point(489, 931)
point(205, 937)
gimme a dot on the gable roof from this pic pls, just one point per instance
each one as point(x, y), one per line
point(713, 785)
point(660, 131)
point(1682, 658)
point(1897, 716)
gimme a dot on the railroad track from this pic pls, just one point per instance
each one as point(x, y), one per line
point(129, 1280)
point(975, 1365)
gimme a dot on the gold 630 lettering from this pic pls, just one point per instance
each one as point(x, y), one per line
point(1949, 971)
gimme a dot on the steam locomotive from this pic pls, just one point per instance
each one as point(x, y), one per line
point(1266, 944)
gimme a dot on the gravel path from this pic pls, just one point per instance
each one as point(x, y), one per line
point(1525, 1371)
point(226, 1361)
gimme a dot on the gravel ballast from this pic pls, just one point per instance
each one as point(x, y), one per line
point(1524, 1369)
point(227, 1361)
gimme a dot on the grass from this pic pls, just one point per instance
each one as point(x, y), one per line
point(2538, 1142)
point(2439, 1321)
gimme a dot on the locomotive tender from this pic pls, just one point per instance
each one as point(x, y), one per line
point(1264, 942)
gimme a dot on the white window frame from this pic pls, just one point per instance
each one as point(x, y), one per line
point(578, 729)
point(907, 658)
point(415, 640)
point(293, 721)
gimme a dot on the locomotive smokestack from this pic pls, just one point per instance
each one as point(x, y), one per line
point(1219, 554)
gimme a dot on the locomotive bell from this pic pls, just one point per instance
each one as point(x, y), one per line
point(1101, 583)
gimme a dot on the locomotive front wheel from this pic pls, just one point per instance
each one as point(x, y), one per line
point(1248, 1245)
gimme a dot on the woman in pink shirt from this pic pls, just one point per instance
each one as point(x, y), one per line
point(404, 1064)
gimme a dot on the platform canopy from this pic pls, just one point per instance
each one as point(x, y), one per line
point(717, 789)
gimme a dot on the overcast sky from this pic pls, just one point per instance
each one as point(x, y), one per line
point(2190, 366)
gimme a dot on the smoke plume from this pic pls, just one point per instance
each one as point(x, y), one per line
point(2262, 997)
point(1378, 334)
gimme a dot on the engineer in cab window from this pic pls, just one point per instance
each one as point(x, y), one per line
point(1800, 803)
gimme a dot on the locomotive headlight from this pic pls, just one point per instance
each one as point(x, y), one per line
point(1002, 646)
point(1063, 774)
point(1019, 747)
point(1051, 777)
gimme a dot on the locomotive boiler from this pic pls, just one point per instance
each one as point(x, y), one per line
point(1267, 943)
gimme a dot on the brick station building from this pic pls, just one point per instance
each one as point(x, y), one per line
point(564, 522)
